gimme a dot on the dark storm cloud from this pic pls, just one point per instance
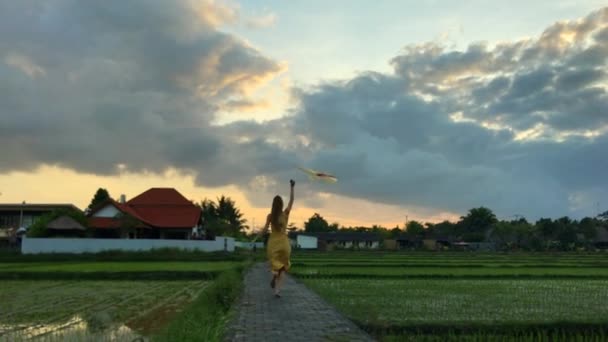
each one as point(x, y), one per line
point(94, 86)
point(90, 86)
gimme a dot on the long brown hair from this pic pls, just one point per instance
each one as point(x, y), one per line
point(277, 209)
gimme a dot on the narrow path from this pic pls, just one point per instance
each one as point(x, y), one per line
point(299, 315)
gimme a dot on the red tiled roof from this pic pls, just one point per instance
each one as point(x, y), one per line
point(165, 208)
point(157, 208)
point(167, 216)
point(159, 196)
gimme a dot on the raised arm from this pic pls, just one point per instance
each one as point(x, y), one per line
point(290, 204)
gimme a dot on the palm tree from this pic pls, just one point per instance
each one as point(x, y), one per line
point(223, 217)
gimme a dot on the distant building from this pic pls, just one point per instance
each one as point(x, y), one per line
point(337, 240)
point(307, 242)
point(16, 216)
point(158, 213)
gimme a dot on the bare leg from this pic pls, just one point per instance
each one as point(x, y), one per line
point(279, 282)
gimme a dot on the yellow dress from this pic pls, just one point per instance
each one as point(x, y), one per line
point(278, 249)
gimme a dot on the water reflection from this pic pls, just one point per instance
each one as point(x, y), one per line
point(76, 328)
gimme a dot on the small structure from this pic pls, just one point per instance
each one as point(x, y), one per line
point(65, 226)
point(20, 216)
point(436, 244)
point(407, 241)
point(344, 240)
point(306, 242)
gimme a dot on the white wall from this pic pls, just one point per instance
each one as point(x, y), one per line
point(307, 242)
point(82, 245)
point(107, 211)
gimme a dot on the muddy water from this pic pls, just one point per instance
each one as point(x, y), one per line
point(75, 329)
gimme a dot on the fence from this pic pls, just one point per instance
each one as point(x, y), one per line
point(84, 245)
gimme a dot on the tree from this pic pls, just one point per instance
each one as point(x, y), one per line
point(100, 196)
point(415, 229)
point(208, 210)
point(445, 229)
point(566, 233)
point(588, 228)
point(395, 232)
point(316, 224)
point(222, 218)
point(503, 234)
point(477, 222)
point(334, 227)
point(227, 210)
point(38, 229)
point(603, 216)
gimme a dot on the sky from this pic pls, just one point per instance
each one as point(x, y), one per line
point(422, 109)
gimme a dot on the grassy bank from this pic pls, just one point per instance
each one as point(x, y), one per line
point(206, 317)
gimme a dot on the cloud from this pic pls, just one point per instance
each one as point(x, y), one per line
point(115, 87)
point(261, 21)
point(134, 83)
point(391, 138)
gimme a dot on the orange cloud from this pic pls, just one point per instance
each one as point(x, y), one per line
point(51, 184)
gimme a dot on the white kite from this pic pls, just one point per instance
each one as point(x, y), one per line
point(316, 175)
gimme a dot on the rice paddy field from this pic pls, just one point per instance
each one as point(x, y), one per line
point(104, 300)
point(56, 310)
point(464, 296)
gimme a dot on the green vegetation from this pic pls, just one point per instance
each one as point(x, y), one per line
point(117, 298)
point(38, 229)
point(160, 254)
point(223, 218)
point(101, 195)
point(480, 225)
point(205, 318)
point(115, 270)
point(426, 296)
point(50, 308)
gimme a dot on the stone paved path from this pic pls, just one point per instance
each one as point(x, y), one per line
point(299, 315)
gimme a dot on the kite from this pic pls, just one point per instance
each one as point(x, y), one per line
point(312, 174)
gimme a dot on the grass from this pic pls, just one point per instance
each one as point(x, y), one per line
point(51, 308)
point(160, 254)
point(117, 266)
point(426, 296)
point(437, 272)
point(205, 319)
point(115, 270)
point(463, 301)
point(185, 298)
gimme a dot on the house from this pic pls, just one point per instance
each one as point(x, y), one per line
point(357, 240)
point(65, 226)
point(15, 216)
point(158, 213)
